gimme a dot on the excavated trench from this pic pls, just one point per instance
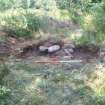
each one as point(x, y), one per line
point(49, 48)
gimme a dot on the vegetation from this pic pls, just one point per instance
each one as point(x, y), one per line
point(50, 84)
point(89, 14)
point(28, 83)
point(22, 25)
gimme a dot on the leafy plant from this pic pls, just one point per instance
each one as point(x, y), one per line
point(4, 91)
point(23, 25)
point(4, 71)
point(6, 4)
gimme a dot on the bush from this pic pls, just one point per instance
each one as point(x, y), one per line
point(22, 25)
point(6, 4)
point(4, 71)
point(63, 4)
point(94, 23)
point(4, 91)
point(26, 4)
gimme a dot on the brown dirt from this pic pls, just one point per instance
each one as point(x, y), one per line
point(13, 46)
point(85, 54)
point(80, 52)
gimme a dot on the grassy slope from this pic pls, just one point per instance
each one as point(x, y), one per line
point(47, 84)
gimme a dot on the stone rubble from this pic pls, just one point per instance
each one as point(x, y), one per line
point(67, 49)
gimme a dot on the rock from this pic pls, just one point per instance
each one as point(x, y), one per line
point(69, 45)
point(68, 57)
point(71, 50)
point(53, 48)
point(67, 52)
point(43, 48)
point(12, 41)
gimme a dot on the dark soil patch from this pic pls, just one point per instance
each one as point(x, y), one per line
point(84, 54)
point(5, 50)
point(29, 49)
point(80, 53)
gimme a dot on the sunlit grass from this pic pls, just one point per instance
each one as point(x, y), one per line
point(96, 80)
point(89, 23)
point(36, 83)
point(55, 13)
point(47, 84)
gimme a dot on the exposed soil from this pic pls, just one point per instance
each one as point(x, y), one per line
point(28, 49)
point(85, 54)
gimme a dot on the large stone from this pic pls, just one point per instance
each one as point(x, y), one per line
point(53, 48)
point(43, 48)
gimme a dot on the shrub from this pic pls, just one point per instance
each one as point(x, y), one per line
point(95, 24)
point(26, 4)
point(4, 71)
point(63, 4)
point(4, 91)
point(22, 25)
point(6, 4)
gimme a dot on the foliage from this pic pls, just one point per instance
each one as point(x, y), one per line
point(93, 23)
point(47, 84)
point(56, 84)
point(26, 4)
point(22, 25)
point(63, 4)
point(6, 4)
point(4, 91)
point(4, 71)
point(89, 14)
point(79, 11)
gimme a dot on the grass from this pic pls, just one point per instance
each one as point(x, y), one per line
point(47, 84)
point(29, 83)
point(25, 23)
point(27, 29)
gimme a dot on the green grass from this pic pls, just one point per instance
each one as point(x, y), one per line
point(47, 84)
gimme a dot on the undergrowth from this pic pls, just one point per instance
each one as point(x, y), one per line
point(47, 84)
point(22, 25)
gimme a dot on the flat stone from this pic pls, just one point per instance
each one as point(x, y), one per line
point(67, 52)
point(53, 48)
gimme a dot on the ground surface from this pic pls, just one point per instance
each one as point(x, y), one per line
point(51, 83)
